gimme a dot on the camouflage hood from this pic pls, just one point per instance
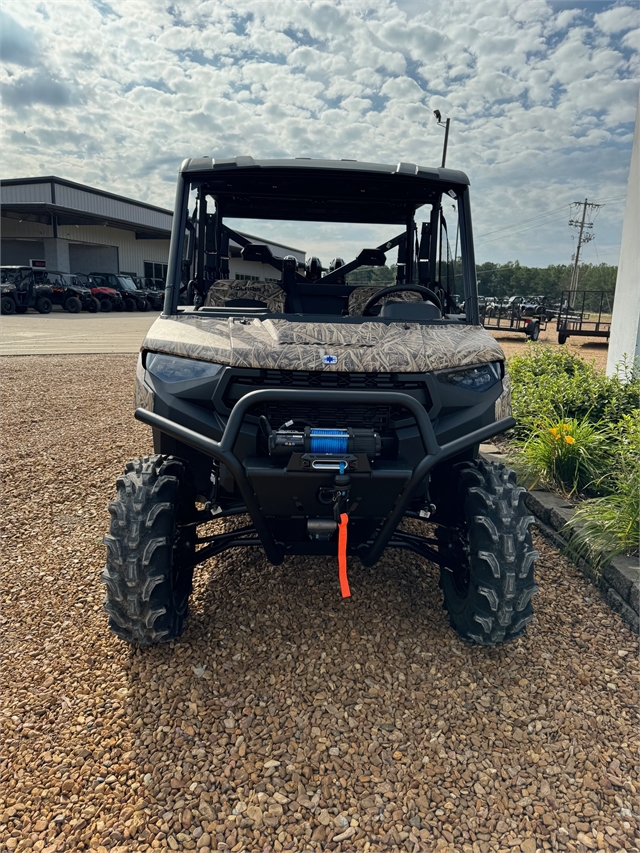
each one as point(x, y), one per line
point(359, 347)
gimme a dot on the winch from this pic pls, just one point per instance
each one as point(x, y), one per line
point(325, 442)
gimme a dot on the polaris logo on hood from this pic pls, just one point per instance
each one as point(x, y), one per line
point(329, 359)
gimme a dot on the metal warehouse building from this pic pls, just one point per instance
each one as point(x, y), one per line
point(79, 229)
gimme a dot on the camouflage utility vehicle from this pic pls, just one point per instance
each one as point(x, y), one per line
point(338, 419)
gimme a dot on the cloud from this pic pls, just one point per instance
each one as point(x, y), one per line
point(32, 88)
point(18, 46)
point(617, 19)
point(541, 97)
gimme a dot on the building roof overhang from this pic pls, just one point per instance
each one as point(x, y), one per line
point(44, 212)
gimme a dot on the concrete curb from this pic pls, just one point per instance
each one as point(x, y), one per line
point(618, 580)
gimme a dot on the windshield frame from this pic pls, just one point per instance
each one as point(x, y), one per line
point(182, 227)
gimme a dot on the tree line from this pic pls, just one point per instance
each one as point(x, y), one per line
point(510, 279)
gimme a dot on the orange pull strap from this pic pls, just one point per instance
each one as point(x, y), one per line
point(342, 555)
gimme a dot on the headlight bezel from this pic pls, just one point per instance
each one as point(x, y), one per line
point(477, 378)
point(175, 370)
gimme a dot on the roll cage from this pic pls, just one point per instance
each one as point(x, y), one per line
point(317, 191)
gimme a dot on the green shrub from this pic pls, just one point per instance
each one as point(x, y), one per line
point(578, 430)
point(607, 526)
point(554, 384)
point(567, 454)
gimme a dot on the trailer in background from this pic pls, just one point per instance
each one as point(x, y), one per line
point(586, 314)
point(512, 319)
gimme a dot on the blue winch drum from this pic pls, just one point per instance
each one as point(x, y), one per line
point(332, 441)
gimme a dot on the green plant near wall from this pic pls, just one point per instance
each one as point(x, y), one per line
point(568, 454)
point(610, 525)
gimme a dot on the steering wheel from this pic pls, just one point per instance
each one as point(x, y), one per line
point(427, 296)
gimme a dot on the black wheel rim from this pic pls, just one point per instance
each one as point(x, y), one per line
point(459, 562)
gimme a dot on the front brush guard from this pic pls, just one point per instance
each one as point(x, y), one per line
point(222, 451)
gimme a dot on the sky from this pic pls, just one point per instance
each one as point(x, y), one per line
point(541, 95)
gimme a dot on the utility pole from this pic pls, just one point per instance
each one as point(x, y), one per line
point(585, 236)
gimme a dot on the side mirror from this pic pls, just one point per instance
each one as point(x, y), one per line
point(371, 258)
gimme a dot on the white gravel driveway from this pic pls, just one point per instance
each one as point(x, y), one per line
point(284, 718)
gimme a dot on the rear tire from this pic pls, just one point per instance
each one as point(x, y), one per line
point(93, 305)
point(488, 582)
point(8, 306)
point(129, 304)
point(148, 574)
point(105, 305)
point(73, 305)
point(44, 305)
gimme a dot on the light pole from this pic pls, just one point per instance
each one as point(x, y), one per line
point(444, 124)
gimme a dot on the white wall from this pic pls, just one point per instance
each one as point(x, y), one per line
point(131, 252)
point(249, 268)
point(625, 322)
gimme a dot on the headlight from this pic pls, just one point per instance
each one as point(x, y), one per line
point(474, 378)
point(169, 368)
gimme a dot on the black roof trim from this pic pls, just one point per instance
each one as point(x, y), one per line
point(429, 173)
point(10, 182)
point(321, 190)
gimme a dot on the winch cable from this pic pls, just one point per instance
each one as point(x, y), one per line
point(342, 555)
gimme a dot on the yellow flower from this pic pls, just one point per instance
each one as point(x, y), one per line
point(554, 432)
point(569, 439)
point(566, 427)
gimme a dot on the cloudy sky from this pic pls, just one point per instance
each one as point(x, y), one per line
point(541, 95)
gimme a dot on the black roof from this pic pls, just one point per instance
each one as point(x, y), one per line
point(321, 190)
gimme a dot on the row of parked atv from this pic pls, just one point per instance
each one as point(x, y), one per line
point(22, 288)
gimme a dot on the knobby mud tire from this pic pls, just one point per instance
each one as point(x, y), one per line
point(147, 574)
point(490, 581)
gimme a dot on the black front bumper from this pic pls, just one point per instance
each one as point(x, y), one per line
point(222, 451)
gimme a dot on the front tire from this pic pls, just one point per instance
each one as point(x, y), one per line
point(8, 306)
point(44, 305)
point(92, 305)
point(105, 305)
point(73, 305)
point(488, 578)
point(149, 568)
point(129, 304)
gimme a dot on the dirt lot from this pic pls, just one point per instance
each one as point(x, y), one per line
point(591, 349)
point(284, 718)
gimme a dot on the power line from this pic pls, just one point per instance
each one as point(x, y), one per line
point(507, 228)
point(523, 221)
point(521, 230)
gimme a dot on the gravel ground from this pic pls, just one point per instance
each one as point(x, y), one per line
point(284, 718)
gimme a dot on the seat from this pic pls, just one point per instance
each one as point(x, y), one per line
point(400, 309)
point(359, 298)
point(242, 293)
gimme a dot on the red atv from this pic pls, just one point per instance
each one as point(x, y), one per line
point(109, 299)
